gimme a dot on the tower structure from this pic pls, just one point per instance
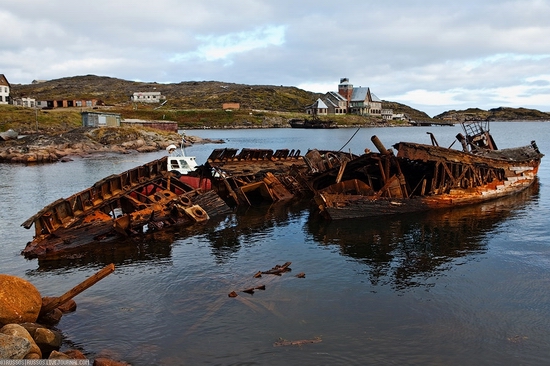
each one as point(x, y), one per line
point(345, 89)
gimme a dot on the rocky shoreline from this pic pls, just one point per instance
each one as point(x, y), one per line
point(80, 142)
point(28, 320)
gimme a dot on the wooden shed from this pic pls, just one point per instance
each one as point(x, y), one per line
point(100, 119)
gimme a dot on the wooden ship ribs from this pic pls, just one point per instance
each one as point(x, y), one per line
point(417, 177)
point(253, 176)
point(421, 177)
point(149, 198)
point(120, 205)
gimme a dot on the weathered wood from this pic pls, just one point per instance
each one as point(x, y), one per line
point(87, 283)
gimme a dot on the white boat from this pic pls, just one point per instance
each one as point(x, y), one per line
point(178, 162)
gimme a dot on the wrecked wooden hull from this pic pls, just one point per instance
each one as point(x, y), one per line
point(423, 177)
point(253, 176)
point(150, 198)
point(145, 198)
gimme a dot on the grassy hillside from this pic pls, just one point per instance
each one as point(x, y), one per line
point(496, 114)
point(402, 108)
point(193, 104)
point(184, 95)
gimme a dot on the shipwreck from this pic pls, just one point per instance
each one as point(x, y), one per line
point(419, 177)
point(163, 193)
point(175, 190)
point(147, 197)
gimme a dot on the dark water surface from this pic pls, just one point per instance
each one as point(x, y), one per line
point(457, 287)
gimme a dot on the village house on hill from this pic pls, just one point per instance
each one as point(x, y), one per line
point(350, 100)
point(147, 97)
point(4, 90)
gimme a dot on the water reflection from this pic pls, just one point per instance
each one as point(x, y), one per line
point(407, 250)
point(247, 226)
point(402, 251)
point(153, 247)
point(226, 237)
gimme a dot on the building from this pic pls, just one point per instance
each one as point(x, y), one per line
point(66, 103)
point(353, 100)
point(4, 90)
point(100, 119)
point(336, 103)
point(24, 102)
point(147, 97)
point(171, 126)
point(231, 106)
point(319, 108)
point(360, 100)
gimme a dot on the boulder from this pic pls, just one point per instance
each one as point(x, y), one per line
point(20, 301)
point(13, 347)
point(51, 318)
point(101, 361)
point(55, 355)
point(75, 354)
point(17, 330)
point(48, 340)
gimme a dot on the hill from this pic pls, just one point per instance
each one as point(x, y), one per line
point(183, 95)
point(495, 114)
point(414, 114)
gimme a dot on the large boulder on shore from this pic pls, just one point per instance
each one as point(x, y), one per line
point(20, 301)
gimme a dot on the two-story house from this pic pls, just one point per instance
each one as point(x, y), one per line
point(4, 90)
point(359, 100)
point(350, 99)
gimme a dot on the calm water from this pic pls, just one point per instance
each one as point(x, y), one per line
point(459, 287)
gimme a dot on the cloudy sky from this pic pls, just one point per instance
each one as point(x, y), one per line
point(434, 55)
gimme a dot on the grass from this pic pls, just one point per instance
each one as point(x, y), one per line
point(29, 120)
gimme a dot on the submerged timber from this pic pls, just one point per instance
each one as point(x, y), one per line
point(421, 177)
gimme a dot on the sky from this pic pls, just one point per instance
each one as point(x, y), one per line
point(433, 55)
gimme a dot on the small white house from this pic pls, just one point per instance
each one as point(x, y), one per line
point(147, 97)
point(319, 108)
point(24, 102)
point(4, 90)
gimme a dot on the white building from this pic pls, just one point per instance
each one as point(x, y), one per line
point(4, 90)
point(24, 102)
point(147, 97)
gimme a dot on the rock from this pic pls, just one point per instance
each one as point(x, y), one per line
point(68, 307)
point(55, 355)
point(48, 340)
point(13, 347)
point(31, 327)
point(75, 354)
point(20, 301)
point(51, 318)
point(17, 330)
point(101, 361)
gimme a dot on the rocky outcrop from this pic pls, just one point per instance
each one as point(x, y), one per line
point(20, 301)
point(85, 141)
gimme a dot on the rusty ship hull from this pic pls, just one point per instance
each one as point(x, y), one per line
point(145, 198)
point(151, 198)
point(423, 177)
